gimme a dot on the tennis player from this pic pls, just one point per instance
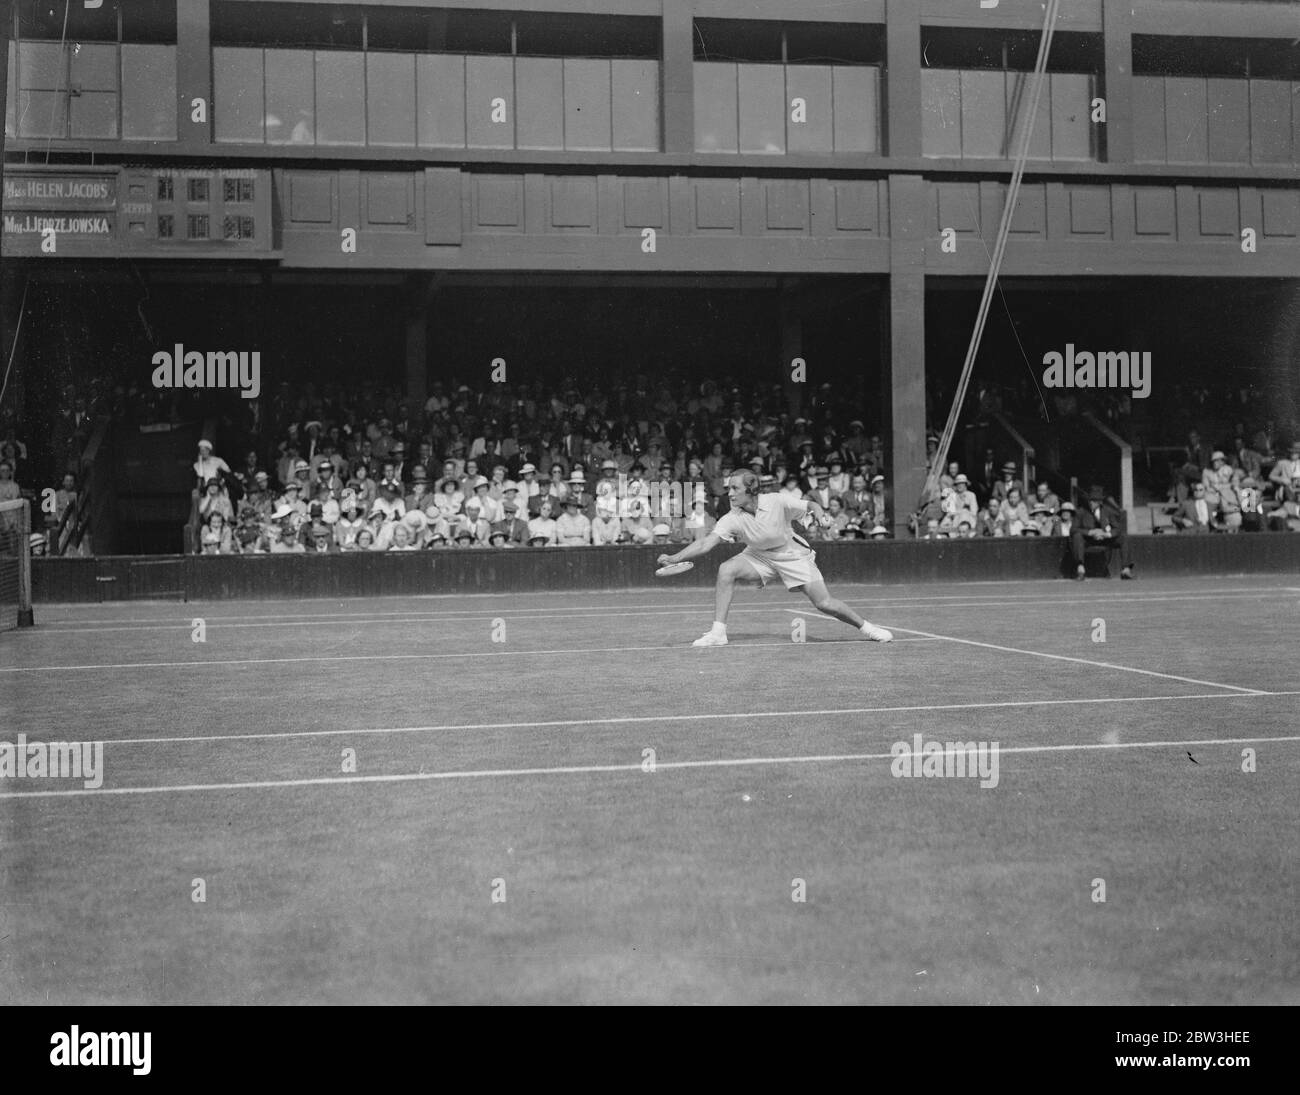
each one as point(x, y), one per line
point(772, 550)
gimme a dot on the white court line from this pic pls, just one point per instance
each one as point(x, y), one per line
point(589, 611)
point(1087, 661)
point(684, 646)
point(585, 769)
point(635, 719)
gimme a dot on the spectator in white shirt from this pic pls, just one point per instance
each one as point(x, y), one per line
point(573, 528)
point(208, 466)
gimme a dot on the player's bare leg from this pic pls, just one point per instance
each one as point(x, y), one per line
point(732, 571)
point(822, 601)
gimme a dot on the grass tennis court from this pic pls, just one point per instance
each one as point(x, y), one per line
point(522, 761)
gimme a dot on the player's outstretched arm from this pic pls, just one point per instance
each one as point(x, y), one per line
point(692, 551)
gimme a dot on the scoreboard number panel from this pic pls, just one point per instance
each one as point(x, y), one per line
point(204, 212)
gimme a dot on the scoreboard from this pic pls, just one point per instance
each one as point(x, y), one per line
point(165, 212)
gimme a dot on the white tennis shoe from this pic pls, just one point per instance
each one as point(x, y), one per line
point(711, 638)
point(877, 634)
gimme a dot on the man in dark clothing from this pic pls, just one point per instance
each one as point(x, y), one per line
point(1101, 521)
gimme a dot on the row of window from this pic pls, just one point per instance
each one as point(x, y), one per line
point(435, 100)
point(339, 98)
point(972, 115)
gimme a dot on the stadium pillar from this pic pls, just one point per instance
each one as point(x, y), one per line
point(1117, 34)
point(903, 77)
point(194, 65)
point(679, 76)
point(906, 341)
point(420, 294)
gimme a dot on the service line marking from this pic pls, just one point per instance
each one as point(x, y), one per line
point(586, 769)
point(627, 720)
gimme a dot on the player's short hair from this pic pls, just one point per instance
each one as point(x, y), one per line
point(748, 479)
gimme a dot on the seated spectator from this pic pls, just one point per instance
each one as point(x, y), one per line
point(1195, 514)
point(1220, 484)
point(1015, 514)
point(500, 539)
point(965, 527)
point(605, 526)
point(573, 528)
point(1287, 516)
point(965, 504)
point(365, 488)
point(1284, 473)
point(949, 478)
point(365, 541)
point(1064, 525)
point(879, 532)
point(880, 508)
point(857, 500)
point(1041, 520)
point(9, 489)
point(820, 492)
point(261, 497)
point(215, 537)
point(1250, 500)
point(1002, 488)
point(65, 499)
point(417, 526)
point(248, 530)
point(989, 521)
point(933, 531)
point(389, 503)
point(1102, 522)
point(292, 498)
point(325, 486)
point(471, 521)
point(543, 525)
point(215, 500)
point(530, 491)
point(437, 541)
point(419, 495)
point(401, 538)
point(302, 476)
point(1045, 496)
point(321, 539)
point(489, 508)
point(1247, 460)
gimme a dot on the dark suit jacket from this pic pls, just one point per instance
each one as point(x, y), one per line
point(1111, 515)
point(1186, 512)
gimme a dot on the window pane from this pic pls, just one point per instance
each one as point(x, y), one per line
point(11, 94)
point(1228, 102)
point(390, 98)
point(490, 93)
point(761, 95)
point(1019, 94)
point(238, 109)
point(440, 94)
point(1270, 121)
point(149, 92)
point(42, 114)
point(586, 105)
point(94, 67)
point(1185, 119)
point(635, 105)
point(812, 84)
point(983, 114)
point(290, 99)
point(715, 107)
point(42, 66)
point(857, 108)
point(94, 114)
point(940, 112)
point(340, 98)
point(540, 84)
point(1149, 119)
point(1072, 132)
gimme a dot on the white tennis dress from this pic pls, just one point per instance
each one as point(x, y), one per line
point(772, 548)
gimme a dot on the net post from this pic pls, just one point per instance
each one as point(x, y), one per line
point(25, 615)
